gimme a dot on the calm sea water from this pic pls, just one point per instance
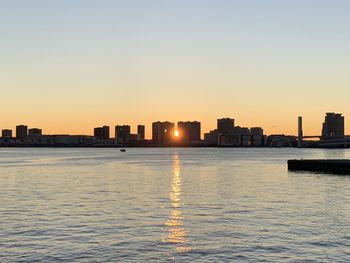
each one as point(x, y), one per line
point(171, 204)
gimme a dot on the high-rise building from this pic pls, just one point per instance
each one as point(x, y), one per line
point(98, 132)
point(162, 132)
point(105, 132)
point(190, 131)
point(102, 132)
point(255, 131)
point(257, 136)
point(21, 131)
point(6, 133)
point(225, 125)
point(333, 126)
point(141, 131)
point(34, 132)
point(122, 133)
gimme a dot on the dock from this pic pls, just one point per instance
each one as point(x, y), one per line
point(321, 165)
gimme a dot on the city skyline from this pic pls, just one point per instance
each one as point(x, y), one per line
point(333, 126)
point(147, 128)
point(139, 61)
point(186, 134)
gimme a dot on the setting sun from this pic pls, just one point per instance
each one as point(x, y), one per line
point(176, 133)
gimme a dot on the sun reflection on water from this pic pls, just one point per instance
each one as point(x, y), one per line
point(176, 232)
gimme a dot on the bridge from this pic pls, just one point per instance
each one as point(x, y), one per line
point(312, 137)
point(328, 142)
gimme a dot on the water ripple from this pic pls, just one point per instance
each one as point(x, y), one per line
point(161, 205)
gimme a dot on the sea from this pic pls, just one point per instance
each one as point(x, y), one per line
point(171, 205)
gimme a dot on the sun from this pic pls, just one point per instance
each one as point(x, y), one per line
point(176, 133)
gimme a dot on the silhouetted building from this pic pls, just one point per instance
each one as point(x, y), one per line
point(162, 132)
point(34, 132)
point(211, 138)
point(257, 136)
point(6, 133)
point(71, 140)
point(98, 132)
point(256, 131)
point(105, 132)
point(190, 131)
point(258, 140)
point(281, 140)
point(134, 137)
point(225, 125)
point(122, 133)
point(237, 130)
point(235, 137)
point(102, 132)
point(333, 126)
point(230, 140)
point(21, 131)
point(141, 131)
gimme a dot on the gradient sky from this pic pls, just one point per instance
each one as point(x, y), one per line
point(70, 65)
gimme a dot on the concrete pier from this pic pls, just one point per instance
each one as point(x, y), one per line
point(328, 166)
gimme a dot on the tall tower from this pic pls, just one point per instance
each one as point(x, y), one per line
point(102, 132)
point(141, 131)
point(300, 132)
point(190, 131)
point(162, 132)
point(333, 126)
point(122, 133)
point(21, 131)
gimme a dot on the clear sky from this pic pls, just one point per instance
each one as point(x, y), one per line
point(67, 66)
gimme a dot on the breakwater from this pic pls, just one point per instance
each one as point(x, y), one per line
point(321, 165)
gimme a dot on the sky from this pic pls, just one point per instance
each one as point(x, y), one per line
point(71, 65)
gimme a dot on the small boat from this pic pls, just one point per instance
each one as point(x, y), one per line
point(123, 150)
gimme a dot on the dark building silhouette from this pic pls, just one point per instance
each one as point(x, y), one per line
point(211, 138)
point(190, 131)
point(21, 131)
point(257, 136)
point(256, 131)
point(6, 133)
point(225, 125)
point(229, 135)
point(238, 136)
point(98, 132)
point(230, 140)
point(281, 140)
point(102, 132)
point(34, 132)
point(333, 126)
point(133, 138)
point(105, 132)
point(141, 131)
point(162, 132)
point(122, 133)
point(237, 130)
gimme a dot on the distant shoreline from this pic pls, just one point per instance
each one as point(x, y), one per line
point(155, 146)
